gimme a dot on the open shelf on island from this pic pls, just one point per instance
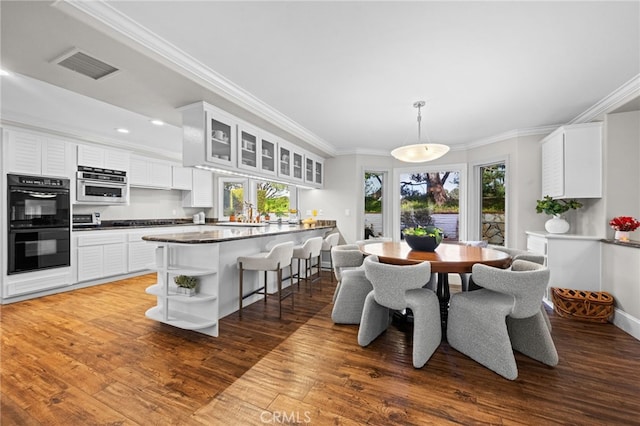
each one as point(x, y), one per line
point(185, 321)
point(157, 290)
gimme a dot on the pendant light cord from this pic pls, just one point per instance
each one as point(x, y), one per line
point(419, 125)
point(419, 104)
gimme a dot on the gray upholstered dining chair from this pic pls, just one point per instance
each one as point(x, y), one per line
point(396, 288)
point(488, 324)
point(343, 258)
point(515, 255)
point(352, 287)
point(520, 254)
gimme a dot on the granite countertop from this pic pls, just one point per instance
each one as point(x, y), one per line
point(230, 233)
point(630, 243)
point(136, 223)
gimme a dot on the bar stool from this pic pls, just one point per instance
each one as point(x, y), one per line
point(308, 251)
point(278, 258)
point(328, 243)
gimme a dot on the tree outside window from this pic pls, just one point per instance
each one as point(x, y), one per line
point(272, 198)
point(430, 199)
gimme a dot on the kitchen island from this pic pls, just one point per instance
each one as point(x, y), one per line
point(210, 254)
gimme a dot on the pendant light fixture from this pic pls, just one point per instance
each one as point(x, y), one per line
point(420, 152)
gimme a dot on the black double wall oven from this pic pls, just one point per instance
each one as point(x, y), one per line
point(39, 223)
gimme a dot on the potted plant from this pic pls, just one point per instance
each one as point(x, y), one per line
point(556, 208)
point(623, 225)
point(186, 284)
point(423, 238)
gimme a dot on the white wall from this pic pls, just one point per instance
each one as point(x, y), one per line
point(523, 157)
point(622, 167)
point(344, 185)
point(621, 265)
point(146, 204)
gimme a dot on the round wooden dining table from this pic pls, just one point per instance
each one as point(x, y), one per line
point(447, 258)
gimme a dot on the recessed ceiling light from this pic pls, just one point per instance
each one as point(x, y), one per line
point(157, 122)
point(122, 130)
point(3, 72)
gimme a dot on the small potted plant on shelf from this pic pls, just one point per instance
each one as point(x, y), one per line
point(423, 238)
point(623, 225)
point(556, 208)
point(186, 284)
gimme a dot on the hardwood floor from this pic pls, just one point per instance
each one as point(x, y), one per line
point(91, 357)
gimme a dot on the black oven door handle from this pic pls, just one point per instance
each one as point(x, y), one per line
point(39, 229)
point(51, 193)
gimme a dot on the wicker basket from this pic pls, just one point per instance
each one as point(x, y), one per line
point(593, 306)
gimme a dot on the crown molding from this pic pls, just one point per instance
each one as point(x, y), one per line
point(517, 133)
point(619, 97)
point(142, 39)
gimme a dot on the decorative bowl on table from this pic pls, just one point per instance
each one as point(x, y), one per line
point(423, 238)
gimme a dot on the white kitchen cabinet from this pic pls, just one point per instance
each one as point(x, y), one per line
point(101, 254)
point(181, 178)
point(201, 194)
point(198, 312)
point(142, 254)
point(107, 158)
point(319, 173)
point(218, 140)
point(35, 154)
point(297, 166)
point(209, 136)
point(257, 150)
point(572, 162)
point(573, 260)
point(37, 281)
point(313, 170)
point(149, 173)
point(284, 160)
point(248, 147)
point(268, 154)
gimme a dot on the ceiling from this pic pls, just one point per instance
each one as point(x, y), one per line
point(334, 76)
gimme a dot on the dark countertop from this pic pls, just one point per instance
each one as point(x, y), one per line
point(229, 234)
point(136, 223)
point(630, 243)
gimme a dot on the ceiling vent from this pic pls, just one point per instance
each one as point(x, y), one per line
point(80, 62)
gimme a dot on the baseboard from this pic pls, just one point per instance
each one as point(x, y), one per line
point(627, 323)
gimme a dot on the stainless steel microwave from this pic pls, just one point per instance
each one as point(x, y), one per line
point(101, 186)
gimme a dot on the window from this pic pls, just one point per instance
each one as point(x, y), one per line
point(492, 206)
point(265, 197)
point(272, 198)
point(431, 198)
point(233, 194)
point(374, 184)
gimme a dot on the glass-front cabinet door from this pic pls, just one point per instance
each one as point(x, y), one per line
point(268, 155)
point(319, 180)
point(313, 170)
point(248, 147)
point(298, 160)
point(284, 161)
point(220, 133)
point(309, 175)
